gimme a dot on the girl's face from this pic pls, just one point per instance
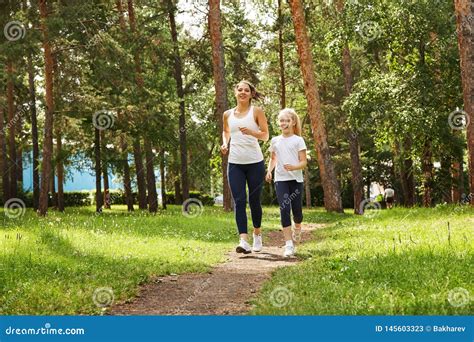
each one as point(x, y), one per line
point(243, 93)
point(286, 123)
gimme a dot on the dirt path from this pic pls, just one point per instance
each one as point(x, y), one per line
point(225, 290)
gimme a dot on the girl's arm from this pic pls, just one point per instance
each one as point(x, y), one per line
point(301, 165)
point(225, 134)
point(262, 134)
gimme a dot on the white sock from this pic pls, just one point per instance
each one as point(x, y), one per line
point(289, 243)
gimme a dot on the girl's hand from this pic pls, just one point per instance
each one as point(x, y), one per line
point(268, 177)
point(224, 149)
point(289, 167)
point(246, 131)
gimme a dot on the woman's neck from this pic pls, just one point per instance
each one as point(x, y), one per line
point(242, 107)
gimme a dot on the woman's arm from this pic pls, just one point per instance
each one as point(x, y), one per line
point(225, 134)
point(271, 165)
point(261, 120)
point(301, 165)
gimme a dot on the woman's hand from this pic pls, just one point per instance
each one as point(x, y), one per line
point(268, 177)
point(247, 131)
point(224, 149)
point(289, 167)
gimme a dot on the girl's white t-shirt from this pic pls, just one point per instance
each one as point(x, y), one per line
point(286, 150)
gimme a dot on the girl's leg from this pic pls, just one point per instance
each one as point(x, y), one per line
point(296, 195)
point(283, 196)
point(236, 176)
point(256, 179)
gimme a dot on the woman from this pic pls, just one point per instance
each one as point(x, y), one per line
point(244, 125)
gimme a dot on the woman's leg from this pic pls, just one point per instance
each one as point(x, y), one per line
point(256, 179)
point(236, 176)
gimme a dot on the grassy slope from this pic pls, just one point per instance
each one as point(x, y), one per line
point(396, 262)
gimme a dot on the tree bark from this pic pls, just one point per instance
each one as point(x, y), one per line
point(3, 158)
point(141, 184)
point(127, 184)
point(34, 131)
point(98, 171)
point(105, 170)
point(48, 122)
point(13, 166)
point(427, 174)
point(332, 193)
point(281, 60)
point(163, 178)
point(465, 28)
point(60, 169)
point(218, 70)
point(151, 179)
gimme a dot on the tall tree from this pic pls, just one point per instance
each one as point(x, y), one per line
point(34, 130)
point(465, 29)
point(98, 171)
point(220, 85)
point(3, 157)
point(332, 193)
point(48, 122)
point(140, 170)
point(178, 74)
point(11, 132)
point(150, 178)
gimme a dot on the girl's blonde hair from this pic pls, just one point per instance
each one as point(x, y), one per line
point(291, 112)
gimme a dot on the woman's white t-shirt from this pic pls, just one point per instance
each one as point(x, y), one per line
point(286, 150)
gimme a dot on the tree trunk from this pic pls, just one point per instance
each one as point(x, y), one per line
point(48, 122)
point(3, 158)
point(19, 151)
point(137, 154)
point(127, 184)
point(281, 60)
point(356, 167)
point(218, 70)
point(52, 186)
point(60, 169)
point(163, 178)
point(13, 166)
point(307, 188)
point(427, 174)
point(465, 29)
point(180, 91)
point(150, 178)
point(98, 171)
point(34, 131)
point(105, 170)
point(332, 193)
point(141, 182)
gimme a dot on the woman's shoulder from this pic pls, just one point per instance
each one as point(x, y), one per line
point(228, 112)
point(257, 109)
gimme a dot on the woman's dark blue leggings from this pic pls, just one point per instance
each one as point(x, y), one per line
point(239, 176)
point(289, 195)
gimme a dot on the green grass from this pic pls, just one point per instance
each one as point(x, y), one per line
point(388, 264)
point(53, 265)
point(398, 262)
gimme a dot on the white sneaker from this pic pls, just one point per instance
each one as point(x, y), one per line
point(257, 243)
point(289, 251)
point(243, 247)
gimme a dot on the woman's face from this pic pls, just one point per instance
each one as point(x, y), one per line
point(285, 122)
point(243, 93)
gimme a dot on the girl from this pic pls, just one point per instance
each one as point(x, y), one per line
point(288, 154)
point(244, 125)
